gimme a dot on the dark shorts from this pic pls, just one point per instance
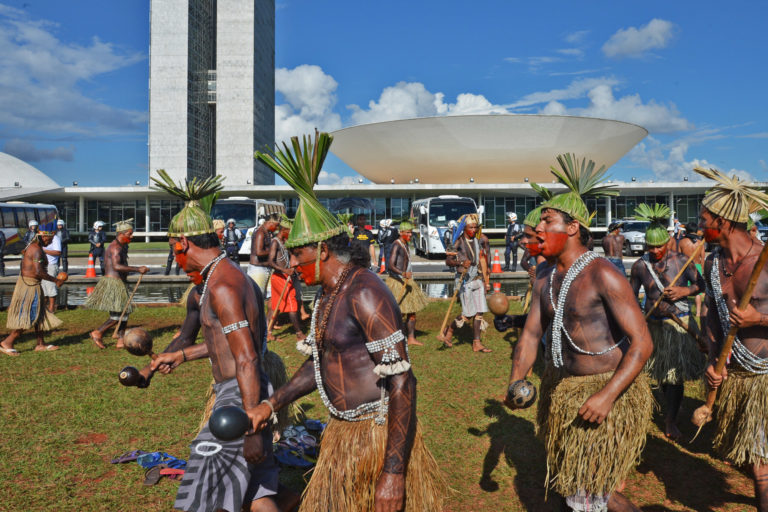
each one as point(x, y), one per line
point(618, 263)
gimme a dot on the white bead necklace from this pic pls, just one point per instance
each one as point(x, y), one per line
point(213, 264)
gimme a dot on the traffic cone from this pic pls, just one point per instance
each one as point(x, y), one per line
point(497, 287)
point(91, 270)
point(383, 266)
point(496, 264)
point(89, 290)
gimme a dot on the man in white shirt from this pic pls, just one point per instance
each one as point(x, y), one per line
point(52, 252)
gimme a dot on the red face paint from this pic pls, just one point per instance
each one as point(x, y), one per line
point(195, 276)
point(553, 244)
point(470, 231)
point(711, 234)
point(534, 248)
point(306, 272)
point(406, 236)
point(657, 253)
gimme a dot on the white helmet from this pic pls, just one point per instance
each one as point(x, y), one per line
point(98, 224)
point(383, 223)
point(33, 222)
point(512, 216)
point(230, 221)
point(59, 222)
point(452, 224)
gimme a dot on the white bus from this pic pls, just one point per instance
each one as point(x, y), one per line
point(14, 221)
point(432, 216)
point(247, 213)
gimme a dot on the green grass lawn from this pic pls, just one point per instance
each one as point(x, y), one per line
point(63, 416)
point(81, 249)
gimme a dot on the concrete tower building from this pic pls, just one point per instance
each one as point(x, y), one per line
point(212, 88)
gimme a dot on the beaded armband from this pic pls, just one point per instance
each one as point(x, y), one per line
point(242, 324)
point(391, 362)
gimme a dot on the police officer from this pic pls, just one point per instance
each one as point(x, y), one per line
point(31, 232)
point(232, 238)
point(363, 237)
point(511, 239)
point(97, 239)
point(2, 253)
point(63, 233)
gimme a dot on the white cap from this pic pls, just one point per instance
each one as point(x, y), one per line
point(32, 222)
point(59, 222)
point(512, 216)
point(230, 221)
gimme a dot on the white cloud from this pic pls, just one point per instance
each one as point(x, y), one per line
point(25, 150)
point(40, 80)
point(636, 42)
point(669, 162)
point(576, 37)
point(513, 60)
point(331, 178)
point(760, 135)
point(576, 89)
point(571, 52)
point(311, 96)
point(406, 100)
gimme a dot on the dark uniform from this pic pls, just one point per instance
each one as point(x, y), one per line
point(514, 232)
point(63, 234)
point(363, 238)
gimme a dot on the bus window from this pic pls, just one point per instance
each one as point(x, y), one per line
point(31, 214)
point(21, 218)
point(7, 219)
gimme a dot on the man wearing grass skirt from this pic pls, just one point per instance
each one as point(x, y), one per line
point(676, 355)
point(27, 309)
point(411, 299)
point(111, 292)
point(741, 434)
point(373, 456)
point(595, 403)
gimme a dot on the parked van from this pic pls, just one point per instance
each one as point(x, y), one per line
point(248, 214)
point(432, 216)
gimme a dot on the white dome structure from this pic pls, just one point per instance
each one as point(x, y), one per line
point(18, 178)
point(486, 148)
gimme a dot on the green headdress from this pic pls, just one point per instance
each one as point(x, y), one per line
point(582, 180)
point(534, 216)
point(406, 225)
point(299, 165)
point(346, 220)
point(194, 219)
point(286, 222)
point(731, 198)
point(123, 225)
point(658, 215)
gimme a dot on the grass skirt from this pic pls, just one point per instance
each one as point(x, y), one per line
point(110, 294)
point(350, 462)
point(585, 456)
point(676, 358)
point(742, 418)
point(27, 309)
point(414, 299)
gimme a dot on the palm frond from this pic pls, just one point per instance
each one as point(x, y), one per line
point(544, 193)
point(192, 190)
point(658, 213)
point(581, 177)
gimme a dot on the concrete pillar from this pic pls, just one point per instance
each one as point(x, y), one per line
point(608, 213)
point(146, 217)
point(81, 214)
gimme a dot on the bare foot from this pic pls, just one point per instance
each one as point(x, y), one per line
point(414, 341)
point(446, 339)
point(305, 316)
point(46, 348)
point(96, 337)
point(301, 336)
point(120, 344)
point(9, 351)
point(479, 347)
point(673, 433)
point(270, 337)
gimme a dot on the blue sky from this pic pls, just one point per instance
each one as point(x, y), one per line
point(74, 97)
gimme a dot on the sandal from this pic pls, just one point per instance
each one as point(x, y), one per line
point(127, 457)
point(482, 350)
point(172, 473)
point(46, 348)
point(153, 475)
point(292, 458)
point(9, 351)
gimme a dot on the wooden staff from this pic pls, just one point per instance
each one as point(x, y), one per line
point(703, 414)
point(699, 247)
point(120, 320)
point(453, 300)
point(277, 309)
point(405, 290)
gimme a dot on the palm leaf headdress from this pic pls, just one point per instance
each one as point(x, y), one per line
point(658, 215)
point(299, 165)
point(194, 219)
point(582, 180)
point(534, 216)
point(732, 198)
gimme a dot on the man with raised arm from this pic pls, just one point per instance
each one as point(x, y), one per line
point(111, 292)
point(469, 261)
point(676, 356)
point(595, 405)
point(27, 309)
point(613, 245)
point(373, 456)
point(742, 414)
point(222, 475)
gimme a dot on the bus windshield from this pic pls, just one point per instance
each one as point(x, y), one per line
point(244, 213)
point(440, 212)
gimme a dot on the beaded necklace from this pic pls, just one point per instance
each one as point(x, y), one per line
point(557, 324)
point(745, 357)
point(212, 264)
